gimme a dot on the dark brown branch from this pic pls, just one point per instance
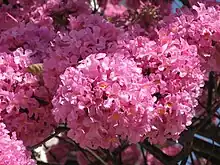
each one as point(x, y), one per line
point(96, 156)
point(184, 161)
point(211, 86)
point(186, 3)
point(206, 148)
point(44, 163)
point(57, 131)
point(210, 131)
point(157, 153)
point(204, 155)
point(191, 158)
point(143, 154)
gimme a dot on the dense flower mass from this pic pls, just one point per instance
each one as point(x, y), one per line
point(108, 96)
point(12, 151)
point(19, 37)
point(25, 103)
point(174, 67)
point(88, 34)
point(199, 27)
point(111, 72)
point(104, 97)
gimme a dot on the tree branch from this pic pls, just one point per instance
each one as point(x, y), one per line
point(210, 131)
point(206, 148)
point(204, 155)
point(58, 130)
point(157, 153)
point(186, 3)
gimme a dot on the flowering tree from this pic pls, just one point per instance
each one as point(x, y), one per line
point(110, 82)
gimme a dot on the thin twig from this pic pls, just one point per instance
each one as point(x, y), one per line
point(186, 3)
point(211, 86)
point(191, 158)
point(96, 156)
point(143, 154)
point(44, 163)
point(157, 153)
point(51, 154)
point(57, 131)
point(183, 162)
point(82, 150)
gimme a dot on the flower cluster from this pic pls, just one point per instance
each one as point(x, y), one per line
point(198, 27)
point(125, 96)
point(19, 37)
point(25, 105)
point(54, 12)
point(58, 12)
point(135, 12)
point(174, 67)
point(102, 99)
point(129, 74)
point(12, 151)
point(88, 34)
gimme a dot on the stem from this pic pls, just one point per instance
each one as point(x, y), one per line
point(191, 158)
point(186, 3)
point(143, 154)
point(183, 162)
point(96, 156)
point(157, 153)
point(120, 159)
point(57, 131)
point(211, 86)
point(43, 163)
point(84, 153)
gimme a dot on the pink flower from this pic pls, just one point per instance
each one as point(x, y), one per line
point(25, 102)
point(173, 67)
point(159, 88)
point(88, 34)
point(113, 10)
point(100, 101)
point(12, 151)
point(33, 38)
point(198, 27)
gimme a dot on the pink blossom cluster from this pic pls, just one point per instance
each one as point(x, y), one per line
point(199, 27)
point(100, 101)
point(109, 81)
point(58, 12)
point(54, 12)
point(25, 105)
point(174, 67)
point(146, 89)
point(12, 151)
point(128, 13)
point(88, 34)
point(19, 37)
